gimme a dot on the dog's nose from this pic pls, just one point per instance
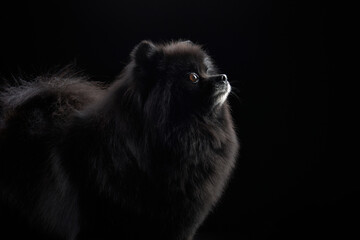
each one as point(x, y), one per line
point(223, 77)
point(219, 78)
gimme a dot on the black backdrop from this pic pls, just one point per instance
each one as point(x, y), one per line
point(288, 183)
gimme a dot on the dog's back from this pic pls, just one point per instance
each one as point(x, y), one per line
point(33, 115)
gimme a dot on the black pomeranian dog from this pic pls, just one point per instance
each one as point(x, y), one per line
point(146, 158)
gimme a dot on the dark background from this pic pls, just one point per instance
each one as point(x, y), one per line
point(291, 181)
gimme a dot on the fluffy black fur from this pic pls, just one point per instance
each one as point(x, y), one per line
point(146, 158)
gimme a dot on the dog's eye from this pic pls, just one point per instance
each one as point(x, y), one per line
point(194, 77)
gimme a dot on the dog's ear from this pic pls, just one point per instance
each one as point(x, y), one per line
point(143, 52)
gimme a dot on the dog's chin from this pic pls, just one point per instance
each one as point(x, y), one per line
point(221, 94)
